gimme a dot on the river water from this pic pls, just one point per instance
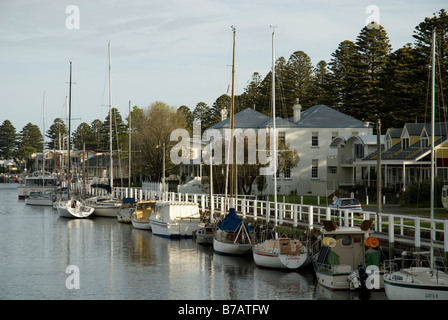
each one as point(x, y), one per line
point(44, 256)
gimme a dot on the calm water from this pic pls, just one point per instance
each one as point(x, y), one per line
point(116, 261)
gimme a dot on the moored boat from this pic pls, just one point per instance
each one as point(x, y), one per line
point(74, 208)
point(205, 234)
point(38, 198)
point(281, 253)
point(233, 236)
point(343, 263)
point(104, 206)
point(141, 214)
point(175, 219)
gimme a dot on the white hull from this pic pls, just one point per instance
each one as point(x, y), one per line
point(39, 201)
point(81, 211)
point(104, 208)
point(124, 215)
point(24, 191)
point(281, 261)
point(144, 225)
point(416, 284)
point(281, 254)
point(231, 248)
point(174, 230)
point(205, 235)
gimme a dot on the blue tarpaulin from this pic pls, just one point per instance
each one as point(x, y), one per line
point(231, 221)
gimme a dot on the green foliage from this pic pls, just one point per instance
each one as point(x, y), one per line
point(419, 194)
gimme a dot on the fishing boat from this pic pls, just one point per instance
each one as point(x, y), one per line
point(342, 261)
point(175, 219)
point(141, 214)
point(74, 208)
point(420, 282)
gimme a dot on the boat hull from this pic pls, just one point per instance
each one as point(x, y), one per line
point(143, 225)
point(66, 210)
point(416, 284)
point(175, 229)
point(226, 248)
point(39, 201)
point(281, 261)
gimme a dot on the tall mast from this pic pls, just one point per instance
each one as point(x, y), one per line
point(433, 105)
point(232, 123)
point(130, 140)
point(69, 129)
point(274, 135)
point(110, 128)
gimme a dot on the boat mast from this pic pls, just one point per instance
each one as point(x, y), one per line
point(433, 105)
point(232, 125)
point(130, 140)
point(274, 136)
point(110, 128)
point(69, 130)
point(43, 146)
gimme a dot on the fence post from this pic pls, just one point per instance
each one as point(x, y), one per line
point(391, 236)
point(310, 217)
point(294, 215)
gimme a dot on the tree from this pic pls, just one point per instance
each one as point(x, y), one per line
point(188, 115)
point(373, 48)
point(56, 133)
point(30, 141)
point(84, 136)
point(8, 140)
point(118, 131)
point(203, 113)
point(223, 102)
point(343, 71)
point(152, 132)
point(322, 89)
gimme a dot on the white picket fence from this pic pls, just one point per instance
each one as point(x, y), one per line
point(404, 228)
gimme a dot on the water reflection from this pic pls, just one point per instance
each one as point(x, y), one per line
point(116, 261)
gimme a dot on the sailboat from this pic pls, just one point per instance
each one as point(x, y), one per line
point(283, 252)
point(419, 282)
point(72, 208)
point(233, 236)
point(107, 206)
point(42, 196)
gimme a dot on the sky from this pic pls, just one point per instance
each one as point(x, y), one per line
point(175, 51)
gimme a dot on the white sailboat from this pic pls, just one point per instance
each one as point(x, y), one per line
point(421, 282)
point(233, 236)
point(108, 206)
point(72, 208)
point(279, 253)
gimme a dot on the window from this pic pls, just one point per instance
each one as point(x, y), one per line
point(334, 134)
point(359, 150)
point(315, 139)
point(315, 169)
point(405, 143)
point(333, 170)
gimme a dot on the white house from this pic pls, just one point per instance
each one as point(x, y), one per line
point(309, 133)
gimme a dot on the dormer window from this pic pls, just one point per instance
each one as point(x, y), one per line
point(404, 143)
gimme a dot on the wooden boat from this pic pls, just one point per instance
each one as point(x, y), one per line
point(175, 219)
point(141, 214)
point(74, 209)
point(342, 262)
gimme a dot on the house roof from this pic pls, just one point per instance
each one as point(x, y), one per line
point(319, 116)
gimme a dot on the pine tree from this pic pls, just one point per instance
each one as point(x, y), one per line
point(8, 140)
point(373, 48)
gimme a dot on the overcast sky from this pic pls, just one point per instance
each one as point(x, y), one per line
point(175, 51)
